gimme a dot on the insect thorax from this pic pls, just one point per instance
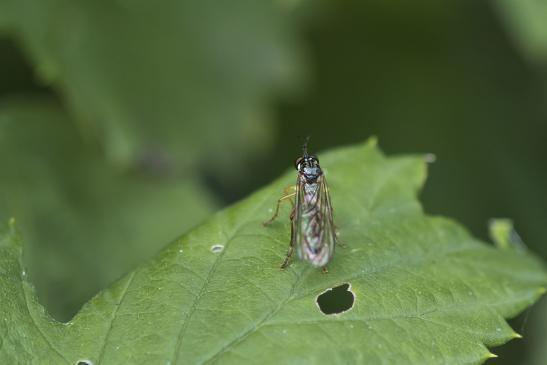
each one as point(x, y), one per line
point(311, 193)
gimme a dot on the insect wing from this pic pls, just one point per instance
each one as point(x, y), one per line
point(313, 228)
point(328, 229)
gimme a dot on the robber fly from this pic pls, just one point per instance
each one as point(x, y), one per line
point(312, 228)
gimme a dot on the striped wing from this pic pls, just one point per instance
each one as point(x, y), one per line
point(313, 231)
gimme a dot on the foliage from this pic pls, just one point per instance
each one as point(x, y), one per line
point(144, 102)
point(526, 20)
point(132, 73)
point(123, 124)
point(86, 222)
point(425, 290)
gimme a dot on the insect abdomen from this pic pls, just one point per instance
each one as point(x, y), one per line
point(313, 248)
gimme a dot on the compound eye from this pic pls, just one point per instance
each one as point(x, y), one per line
point(297, 162)
point(313, 160)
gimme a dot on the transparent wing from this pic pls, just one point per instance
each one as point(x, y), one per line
point(296, 231)
point(313, 230)
point(329, 229)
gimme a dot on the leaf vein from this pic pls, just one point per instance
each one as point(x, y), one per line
point(113, 316)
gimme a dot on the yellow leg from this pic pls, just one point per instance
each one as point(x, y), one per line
point(338, 242)
point(279, 201)
point(291, 244)
point(288, 257)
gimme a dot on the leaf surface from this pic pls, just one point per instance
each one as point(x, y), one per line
point(525, 21)
point(426, 292)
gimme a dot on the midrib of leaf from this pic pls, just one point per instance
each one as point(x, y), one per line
point(264, 322)
point(195, 303)
point(384, 177)
point(261, 322)
point(203, 288)
point(114, 313)
point(416, 260)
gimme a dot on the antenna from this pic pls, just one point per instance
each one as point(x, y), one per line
point(305, 146)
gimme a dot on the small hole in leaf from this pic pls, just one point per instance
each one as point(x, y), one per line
point(217, 248)
point(336, 300)
point(84, 362)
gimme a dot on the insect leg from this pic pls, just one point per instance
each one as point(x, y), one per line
point(291, 244)
point(338, 242)
point(288, 257)
point(279, 201)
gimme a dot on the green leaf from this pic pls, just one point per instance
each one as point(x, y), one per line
point(537, 326)
point(142, 75)
point(85, 222)
point(525, 19)
point(426, 292)
point(504, 235)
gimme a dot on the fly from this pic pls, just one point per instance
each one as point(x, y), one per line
point(313, 233)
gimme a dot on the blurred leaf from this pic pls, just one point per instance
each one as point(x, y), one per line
point(190, 77)
point(15, 75)
point(538, 329)
point(86, 223)
point(504, 235)
point(425, 290)
point(526, 22)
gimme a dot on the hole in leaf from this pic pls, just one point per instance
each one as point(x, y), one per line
point(217, 248)
point(84, 362)
point(336, 300)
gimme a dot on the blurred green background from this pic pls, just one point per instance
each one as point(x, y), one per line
point(123, 124)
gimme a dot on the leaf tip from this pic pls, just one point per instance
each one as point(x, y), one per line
point(430, 158)
point(10, 230)
point(516, 335)
point(491, 355)
point(11, 224)
point(503, 234)
point(372, 142)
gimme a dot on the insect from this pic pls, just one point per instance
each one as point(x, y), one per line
point(313, 233)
